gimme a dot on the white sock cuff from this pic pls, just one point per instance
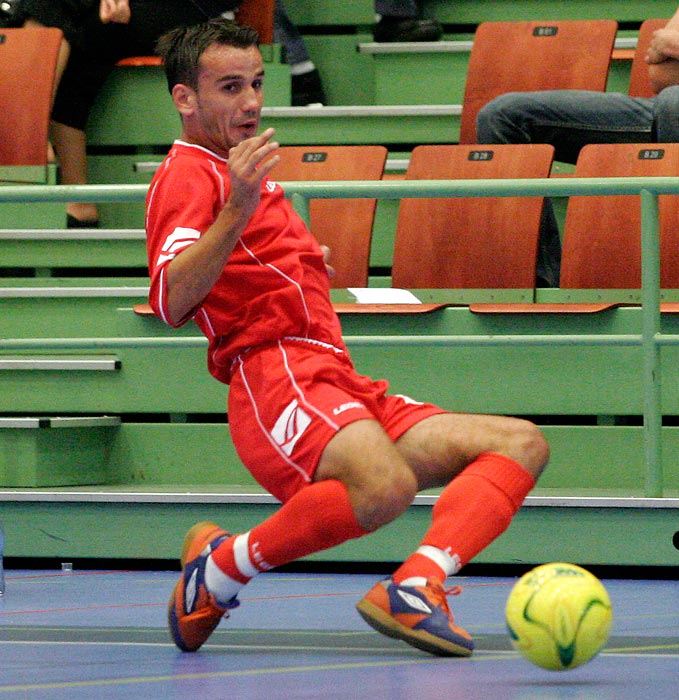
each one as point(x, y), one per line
point(414, 581)
point(241, 555)
point(221, 585)
point(450, 563)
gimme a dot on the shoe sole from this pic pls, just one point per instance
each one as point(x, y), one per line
point(421, 639)
point(173, 620)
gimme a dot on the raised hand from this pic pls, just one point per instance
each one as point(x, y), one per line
point(248, 165)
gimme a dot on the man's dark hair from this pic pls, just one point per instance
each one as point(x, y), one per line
point(182, 47)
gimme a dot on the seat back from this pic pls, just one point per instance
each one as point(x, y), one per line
point(523, 56)
point(602, 234)
point(470, 242)
point(258, 14)
point(28, 59)
point(344, 225)
point(639, 85)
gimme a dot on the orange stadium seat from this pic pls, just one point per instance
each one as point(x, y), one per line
point(522, 56)
point(469, 242)
point(258, 14)
point(344, 225)
point(602, 233)
point(28, 59)
point(639, 85)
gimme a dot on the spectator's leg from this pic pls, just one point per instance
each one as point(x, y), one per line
point(306, 84)
point(568, 119)
point(70, 145)
point(666, 118)
point(399, 20)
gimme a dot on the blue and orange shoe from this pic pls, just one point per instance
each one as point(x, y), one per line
point(419, 615)
point(193, 612)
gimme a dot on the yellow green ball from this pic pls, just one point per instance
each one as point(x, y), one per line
point(558, 616)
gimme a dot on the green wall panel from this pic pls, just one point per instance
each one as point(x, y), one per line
point(583, 457)
point(349, 12)
point(475, 11)
point(47, 254)
point(174, 453)
point(186, 386)
point(420, 78)
point(607, 536)
point(348, 76)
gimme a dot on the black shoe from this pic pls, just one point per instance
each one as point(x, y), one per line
point(403, 29)
point(74, 222)
point(307, 89)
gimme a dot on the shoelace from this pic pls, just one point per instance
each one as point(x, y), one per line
point(441, 594)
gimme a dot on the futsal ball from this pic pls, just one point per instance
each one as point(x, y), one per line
point(558, 616)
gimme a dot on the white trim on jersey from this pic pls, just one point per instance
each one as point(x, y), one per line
point(284, 447)
point(284, 276)
point(263, 428)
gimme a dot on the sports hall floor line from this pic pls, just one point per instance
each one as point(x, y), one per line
point(100, 635)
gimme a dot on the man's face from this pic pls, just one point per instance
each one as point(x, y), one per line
point(229, 97)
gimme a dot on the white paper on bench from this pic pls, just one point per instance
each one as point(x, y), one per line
point(387, 295)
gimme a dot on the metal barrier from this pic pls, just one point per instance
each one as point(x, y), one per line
point(650, 339)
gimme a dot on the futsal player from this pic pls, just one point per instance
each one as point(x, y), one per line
point(342, 454)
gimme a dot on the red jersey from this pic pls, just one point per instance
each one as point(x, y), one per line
point(275, 284)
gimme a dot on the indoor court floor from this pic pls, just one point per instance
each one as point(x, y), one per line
point(95, 635)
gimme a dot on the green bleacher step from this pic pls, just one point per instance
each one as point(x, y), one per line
point(106, 363)
point(37, 451)
point(49, 248)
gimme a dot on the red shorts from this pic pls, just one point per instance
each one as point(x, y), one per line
point(287, 400)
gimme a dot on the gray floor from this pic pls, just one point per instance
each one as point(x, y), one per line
point(99, 634)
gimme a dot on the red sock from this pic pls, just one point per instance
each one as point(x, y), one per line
point(472, 511)
point(318, 517)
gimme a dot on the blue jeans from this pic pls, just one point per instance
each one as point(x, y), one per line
point(570, 119)
point(287, 34)
point(397, 8)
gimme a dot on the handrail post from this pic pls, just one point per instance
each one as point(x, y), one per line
point(301, 205)
point(650, 299)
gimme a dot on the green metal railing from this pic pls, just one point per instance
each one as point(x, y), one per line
point(650, 339)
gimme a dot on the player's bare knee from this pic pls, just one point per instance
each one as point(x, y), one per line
point(387, 498)
point(532, 447)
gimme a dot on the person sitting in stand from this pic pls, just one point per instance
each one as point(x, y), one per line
point(570, 119)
